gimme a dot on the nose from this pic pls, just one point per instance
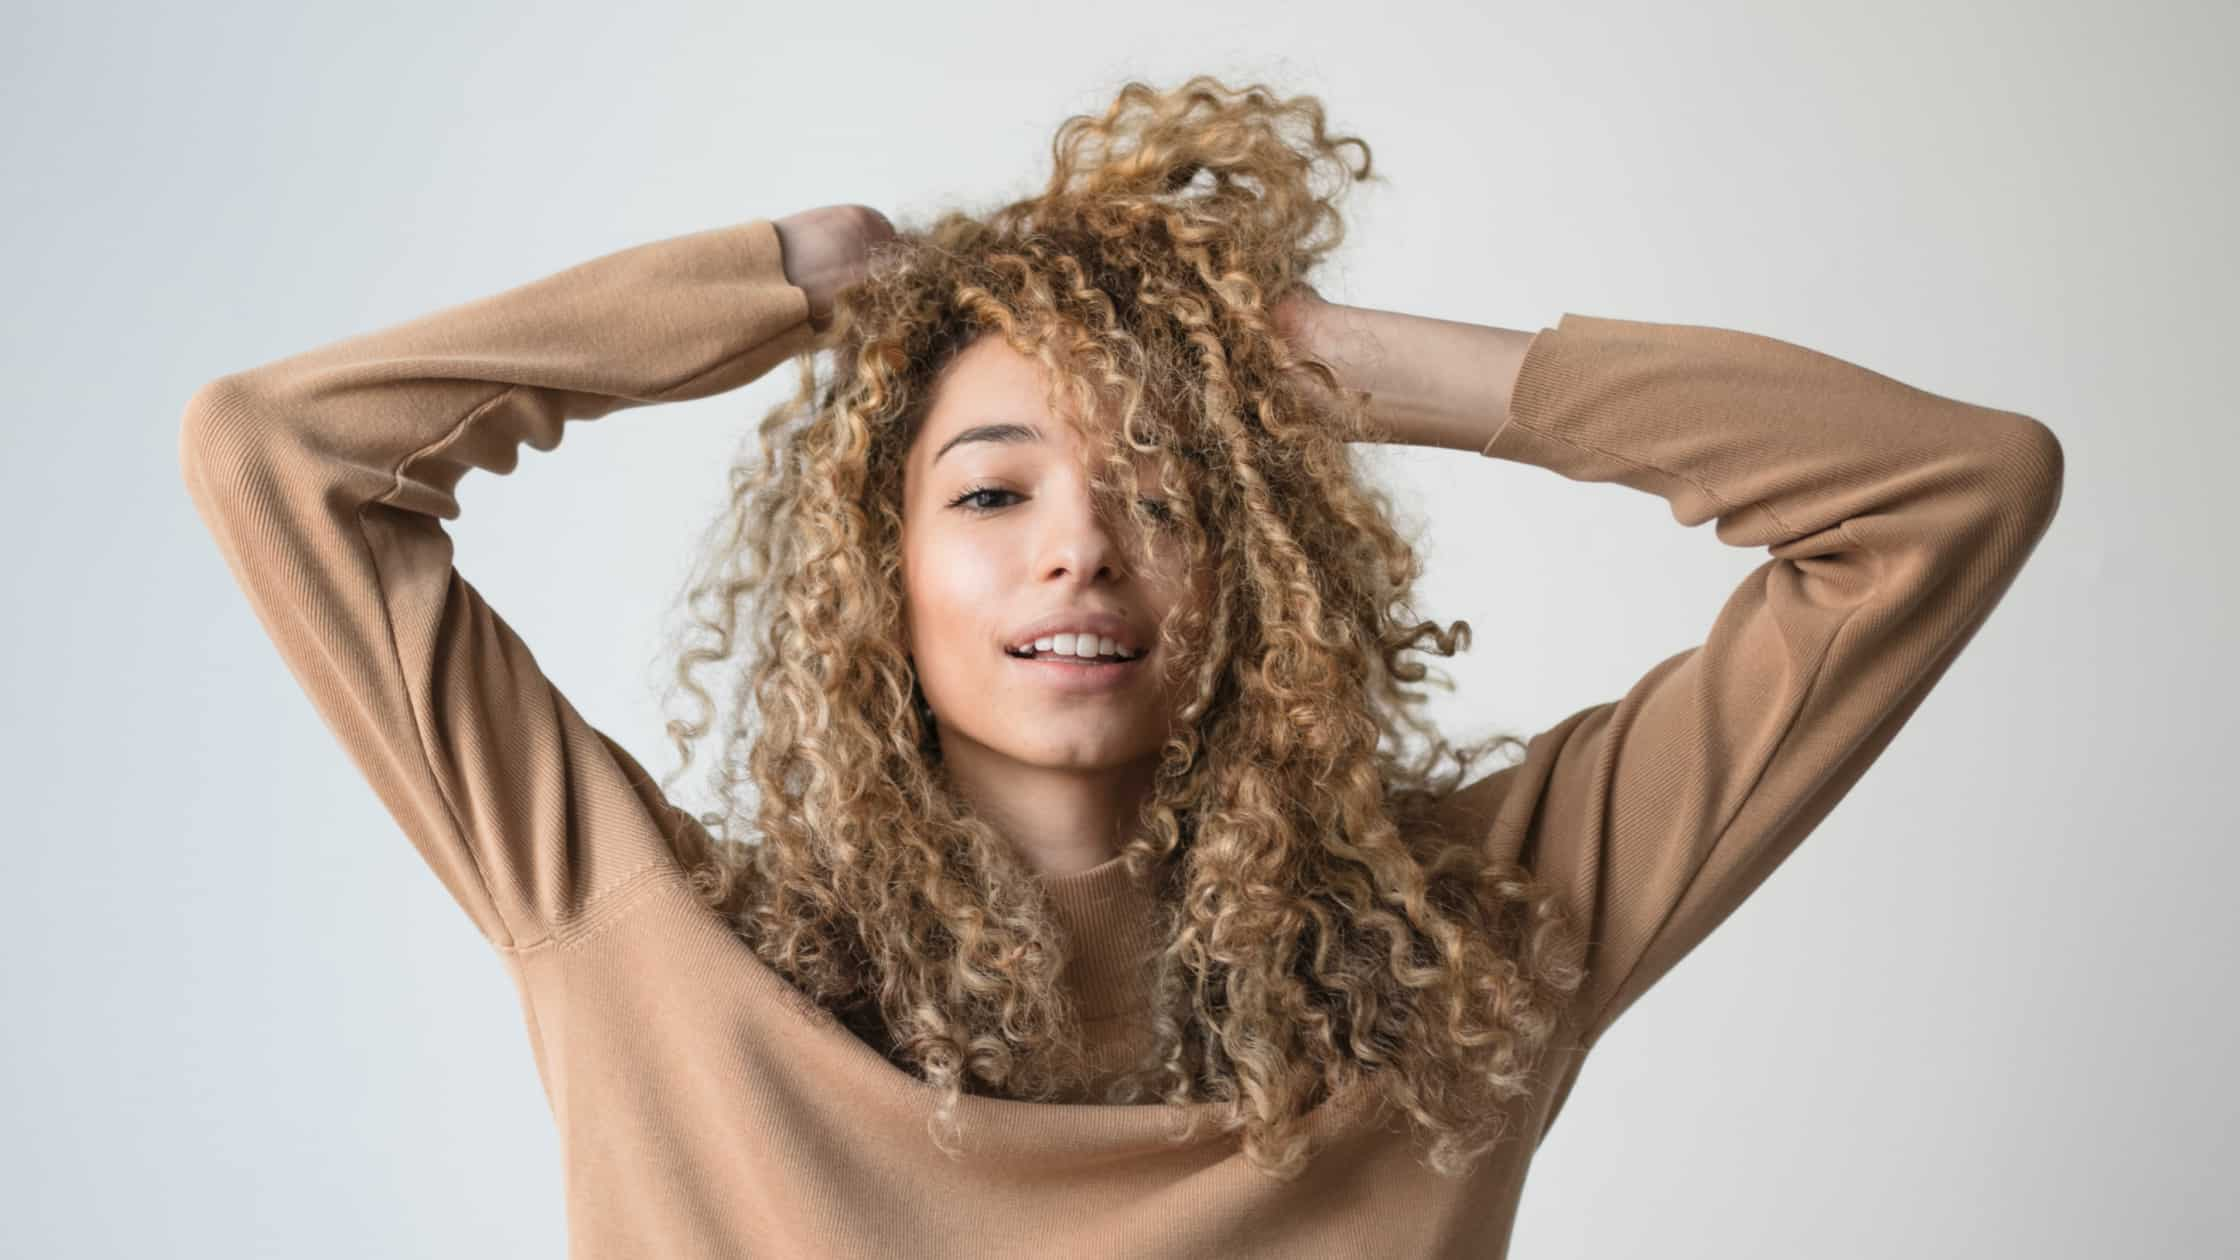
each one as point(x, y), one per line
point(1078, 543)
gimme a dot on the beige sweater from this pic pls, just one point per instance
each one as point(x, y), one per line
point(706, 1109)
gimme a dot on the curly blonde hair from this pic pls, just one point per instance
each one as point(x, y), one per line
point(1321, 933)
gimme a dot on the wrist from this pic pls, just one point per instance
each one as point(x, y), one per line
point(1431, 382)
point(795, 255)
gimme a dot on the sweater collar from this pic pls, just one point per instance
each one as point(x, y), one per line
point(1114, 923)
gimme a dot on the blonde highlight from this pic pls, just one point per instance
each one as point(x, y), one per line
point(1322, 932)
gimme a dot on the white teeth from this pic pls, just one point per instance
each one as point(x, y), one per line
point(1083, 646)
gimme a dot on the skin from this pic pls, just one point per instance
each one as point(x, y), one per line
point(1059, 775)
point(997, 535)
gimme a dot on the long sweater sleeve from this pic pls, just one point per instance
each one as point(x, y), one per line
point(325, 478)
point(707, 1109)
point(1895, 520)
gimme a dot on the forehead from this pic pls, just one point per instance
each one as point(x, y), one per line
point(988, 365)
point(988, 395)
point(987, 379)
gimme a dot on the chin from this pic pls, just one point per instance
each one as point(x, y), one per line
point(1092, 751)
point(1080, 758)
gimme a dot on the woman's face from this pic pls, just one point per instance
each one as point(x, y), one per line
point(1002, 546)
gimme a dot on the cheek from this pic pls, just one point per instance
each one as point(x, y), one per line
point(952, 591)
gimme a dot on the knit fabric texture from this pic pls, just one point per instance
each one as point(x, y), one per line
point(707, 1109)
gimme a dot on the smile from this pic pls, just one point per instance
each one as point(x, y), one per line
point(1078, 674)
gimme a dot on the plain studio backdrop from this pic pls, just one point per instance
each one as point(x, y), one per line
point(1984, 1011)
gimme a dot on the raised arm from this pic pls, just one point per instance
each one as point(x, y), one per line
point(325, 476)
point(1895, 519)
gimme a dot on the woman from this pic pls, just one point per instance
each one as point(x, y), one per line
point(1217, 870)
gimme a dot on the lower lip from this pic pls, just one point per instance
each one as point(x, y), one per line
point(1078, 678)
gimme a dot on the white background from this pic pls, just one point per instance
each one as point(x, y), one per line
point(1985, 1010)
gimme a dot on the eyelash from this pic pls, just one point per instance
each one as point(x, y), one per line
point(1158, 506)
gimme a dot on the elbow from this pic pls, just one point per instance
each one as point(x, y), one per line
point(217, 433)
point(2028, 467)
point(2043, 466)
point(213, 422)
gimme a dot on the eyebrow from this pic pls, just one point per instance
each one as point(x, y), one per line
point(990, 433)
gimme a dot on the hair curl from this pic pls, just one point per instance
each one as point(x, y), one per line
point(1321, 932)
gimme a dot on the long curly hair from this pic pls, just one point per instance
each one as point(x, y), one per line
point(1321, 933)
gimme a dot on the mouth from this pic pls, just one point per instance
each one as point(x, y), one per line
point(1079, 673)
point(1115, 658)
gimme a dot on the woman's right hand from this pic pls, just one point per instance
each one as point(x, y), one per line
point(826, 249)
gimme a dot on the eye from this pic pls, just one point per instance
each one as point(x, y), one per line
point(974, 493)
point(1158, 509)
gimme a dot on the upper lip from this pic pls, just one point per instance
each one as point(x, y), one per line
point(1103, 625)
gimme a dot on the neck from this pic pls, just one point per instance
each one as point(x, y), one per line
point(1061, 820)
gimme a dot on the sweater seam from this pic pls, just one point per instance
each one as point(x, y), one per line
point(603, 913)
point(1724, 506)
